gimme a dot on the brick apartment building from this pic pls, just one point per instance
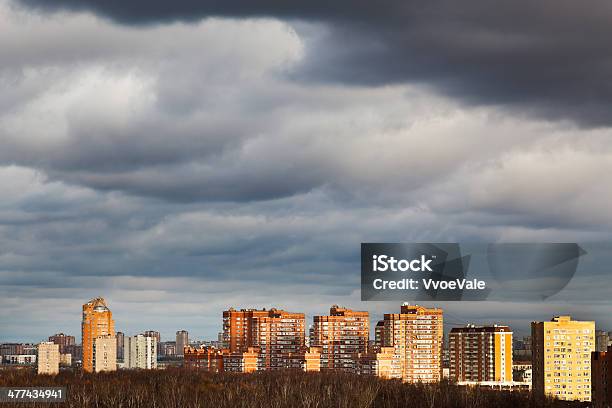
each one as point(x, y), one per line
point(601, 378)
point(340, 335)
point(64, 341)
point(273, 332)
point(481, 354)
point(417, 335)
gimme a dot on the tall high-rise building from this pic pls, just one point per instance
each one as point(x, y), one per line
point(182, 341)
point(341, 335)
point(601, 378)
point(140, 352)
point(417, 334)
point(97, 323)
point(481, 354)
point(48, 358)
point(64, 341)
point(273, 332)
point(120, 337)
point(561, 362)
point(156, 335)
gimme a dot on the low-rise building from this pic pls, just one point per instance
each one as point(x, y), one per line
point(19, 359)
point(308, 359)
point(204, 358)
point(382, 362)
point(522, 371)
point(241, 361)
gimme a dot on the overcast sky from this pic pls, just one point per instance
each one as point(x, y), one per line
point(178, 158)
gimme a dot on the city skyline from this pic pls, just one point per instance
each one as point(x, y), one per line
point(451, 320)
point(562, 358)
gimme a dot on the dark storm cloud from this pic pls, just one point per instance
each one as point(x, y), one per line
point(549, 58)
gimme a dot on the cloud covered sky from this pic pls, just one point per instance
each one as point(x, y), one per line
point(180, 158)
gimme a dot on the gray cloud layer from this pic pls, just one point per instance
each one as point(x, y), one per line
point(550, 58)
point(181, 167)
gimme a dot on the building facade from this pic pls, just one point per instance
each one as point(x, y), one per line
point(417, 335)
point(601, 378)
point(273, 332)
point(64, 341)
point(120, 337)
point(204, 358)
point(167, 349)
point(380, 362)
point(340, 335)
point(140, 352)
point(308, 359)
point(105, 354)
point(481, 354)
point(97, 324)
point(561, 361)
point(182, 341)
point(65, 360)
point(48, 358)
point(245, 361)
point(155, 334)
point(522, 371)
point(19, 359)
point(602, 340)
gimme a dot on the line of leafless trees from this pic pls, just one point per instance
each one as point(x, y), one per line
point(181, 388)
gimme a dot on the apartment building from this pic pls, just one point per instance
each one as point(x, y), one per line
point(245, 361)
point(64, 341)
point(522, 371)
point(340, 335)
point(481, 354)
point(417, 335)
point(308, 359)
point(19, 359)
point(140, 352)
point(204, 358)
point(65, 360)
point(48, 358)
point(167, 349)
point(380, 362)
point(561, 352)
point(120, 337)
point(601, 378)
point(98, 323)
point(273, 332)
point(105, 354)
